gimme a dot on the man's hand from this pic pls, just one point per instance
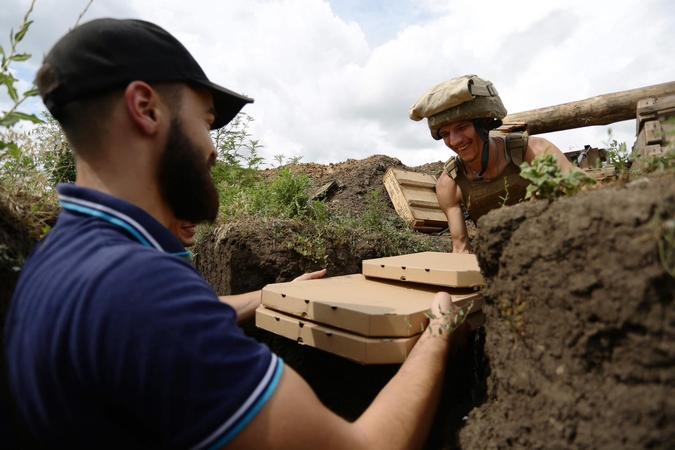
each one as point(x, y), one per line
point(449, 321)
point(311, 275)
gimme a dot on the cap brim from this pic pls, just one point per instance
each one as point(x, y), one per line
point(226, 103)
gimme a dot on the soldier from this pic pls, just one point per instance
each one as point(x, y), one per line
point(486, 170)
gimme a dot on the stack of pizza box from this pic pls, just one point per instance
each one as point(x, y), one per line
point(374, 317)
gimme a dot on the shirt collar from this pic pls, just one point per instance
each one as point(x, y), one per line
point(138, 223)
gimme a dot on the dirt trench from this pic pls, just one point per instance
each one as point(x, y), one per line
point(580, 336)
point(239, 258)
point(579, 348)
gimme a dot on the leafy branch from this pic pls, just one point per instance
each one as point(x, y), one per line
point(452, 319)
point(11, 117)
point(547, 180)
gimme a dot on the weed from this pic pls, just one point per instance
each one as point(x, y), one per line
point(664, 234)
point(11, 117)
point(511, 312)
point(281, 159)
point(660, 163)
point(505, 198)
point(452, 319)
point(312, 247)
point(372, 215)
point(547, 180)
point(618, 156)
point(26, 188)
point(55, 154)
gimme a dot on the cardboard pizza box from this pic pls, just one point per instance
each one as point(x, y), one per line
point(372, 308)
point(352, 346)
point(434, 268)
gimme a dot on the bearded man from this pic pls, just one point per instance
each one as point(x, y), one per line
point(113, 339)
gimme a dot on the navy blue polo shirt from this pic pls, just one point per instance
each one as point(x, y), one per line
point(115, 340)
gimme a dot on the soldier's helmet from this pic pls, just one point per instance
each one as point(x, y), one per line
point(463, 98)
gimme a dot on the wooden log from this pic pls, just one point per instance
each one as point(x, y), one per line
point(600, 110)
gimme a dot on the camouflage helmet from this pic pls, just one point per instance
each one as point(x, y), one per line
point(462, 98)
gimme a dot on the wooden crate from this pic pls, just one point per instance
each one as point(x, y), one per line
point(414, 197)
point(601, 174)
point(655, 124)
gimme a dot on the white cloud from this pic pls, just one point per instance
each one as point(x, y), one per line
point(334, 80)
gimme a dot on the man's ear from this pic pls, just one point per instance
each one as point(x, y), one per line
point(144, 106)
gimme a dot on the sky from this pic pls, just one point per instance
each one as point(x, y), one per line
point(333, 80)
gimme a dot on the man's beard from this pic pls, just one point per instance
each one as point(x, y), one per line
point(185, 178)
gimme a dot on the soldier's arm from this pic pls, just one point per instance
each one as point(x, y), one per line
point(538, 146)
point(450, 200)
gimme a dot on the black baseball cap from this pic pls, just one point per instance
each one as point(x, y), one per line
point(106, 54)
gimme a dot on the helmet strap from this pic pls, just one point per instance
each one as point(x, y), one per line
point(482, 132)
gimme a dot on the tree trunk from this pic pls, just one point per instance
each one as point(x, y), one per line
point(599, 110)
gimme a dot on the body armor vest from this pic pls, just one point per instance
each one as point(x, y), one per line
point(480, 197)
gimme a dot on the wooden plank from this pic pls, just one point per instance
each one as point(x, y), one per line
point(653, 151)
point(414, 183)
point(430, 229)
point(423, 203)
point(653, 108)
point(419, 224)
point(601, 174)
point(599, 110)
point(650, 134)
point(653, 132)
point(323, 190)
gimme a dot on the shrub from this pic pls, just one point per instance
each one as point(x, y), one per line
point(548, 181)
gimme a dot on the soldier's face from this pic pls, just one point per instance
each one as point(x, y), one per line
point(461, 137)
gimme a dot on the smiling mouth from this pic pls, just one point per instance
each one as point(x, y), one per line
point(461, 149)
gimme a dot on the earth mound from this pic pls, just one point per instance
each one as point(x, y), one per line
point(581, 323)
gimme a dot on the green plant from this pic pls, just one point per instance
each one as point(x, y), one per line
point(664, 234)
point(238, 158)
point(309, 246)
point(375, 204)
point(55, 154)
point(512, 313)
point(547, 180)
point(12, 116)
point(660, 163)
point(281, 159)
point(452, 319)
point(505, 198)
point(617, 155)
point(27, 195)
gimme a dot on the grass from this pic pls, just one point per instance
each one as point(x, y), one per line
point(547, 181)
point(282, 206)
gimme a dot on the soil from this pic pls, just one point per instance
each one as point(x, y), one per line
point(579, 346)
point(581, 326)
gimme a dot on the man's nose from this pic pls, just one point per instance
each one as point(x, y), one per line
point(213, 156)
point(454, 139)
